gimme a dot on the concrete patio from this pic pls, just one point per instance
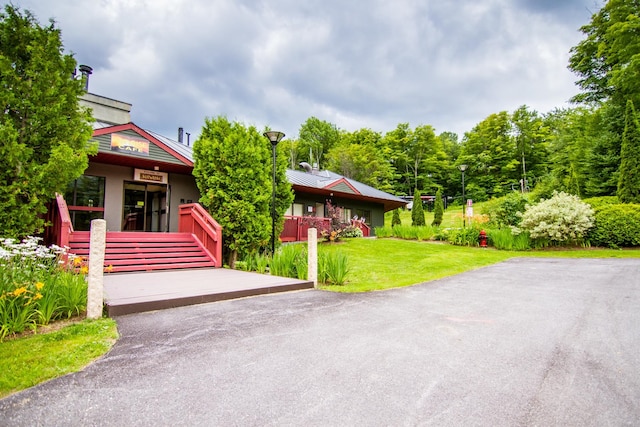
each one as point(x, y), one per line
point(127, 293)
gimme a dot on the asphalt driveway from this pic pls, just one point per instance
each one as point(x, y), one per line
point(526, 342)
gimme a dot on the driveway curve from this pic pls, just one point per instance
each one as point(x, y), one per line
point(524, 342)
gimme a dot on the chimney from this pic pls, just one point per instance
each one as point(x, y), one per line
point(180, 135)
point(86, 72)
point(188, 138)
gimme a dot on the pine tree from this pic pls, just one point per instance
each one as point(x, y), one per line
point(44, 133)
point(417, 212)
point(395, 219)
point(629, 178)
point(438, 210)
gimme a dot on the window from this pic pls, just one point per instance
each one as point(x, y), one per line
point(85, 199)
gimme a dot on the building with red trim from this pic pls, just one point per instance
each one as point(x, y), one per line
point(138, 179)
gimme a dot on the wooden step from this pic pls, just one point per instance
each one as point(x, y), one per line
point(139, 251)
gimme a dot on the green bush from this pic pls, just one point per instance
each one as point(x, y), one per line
point(504, 239)
point(289, 261)
point(505, 211)
point(333, 268)
point(417, 211)
point(597, 202)
point(438, 209)
point(562, 219)
point(616, 226)
point(351, 231)
point(466, 236)
point(407, 232)
point(395, 219)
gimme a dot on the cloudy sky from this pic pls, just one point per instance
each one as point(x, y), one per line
point(355, 63)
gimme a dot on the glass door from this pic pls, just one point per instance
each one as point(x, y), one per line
point(145, 207)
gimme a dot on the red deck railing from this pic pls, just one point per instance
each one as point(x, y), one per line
point(196, 220)
point(59, 226)
point(296, 228)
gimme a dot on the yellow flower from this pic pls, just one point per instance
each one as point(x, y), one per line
point(84, 269)
point(39, 285)
point(37, 296)
point(109, 268)
point(77, 261)
point(20, 291)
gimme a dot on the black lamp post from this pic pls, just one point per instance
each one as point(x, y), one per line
point(464, 201)
point(274, 137)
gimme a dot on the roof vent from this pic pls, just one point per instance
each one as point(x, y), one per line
point(306, 166)
point(86, 72)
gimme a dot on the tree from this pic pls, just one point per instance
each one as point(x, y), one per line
point(629, 179)
point(317, 137)
point(607, 61)
point(489, 151)
point(359, 156)
point(233, 171)
point(395, 219)
point(44, 133)
point(531, 137)
point(438, 209)
point(417, 212)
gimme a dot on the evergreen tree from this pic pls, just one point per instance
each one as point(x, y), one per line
point(395, 219)
point(417, 212)
point(232, 167)
point(438, 209)
point(44, 133)
point(629, 178)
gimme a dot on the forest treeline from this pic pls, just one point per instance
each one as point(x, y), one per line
point(576, 150)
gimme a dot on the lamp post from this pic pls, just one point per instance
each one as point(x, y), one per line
point(464, 202)
point(274, 137)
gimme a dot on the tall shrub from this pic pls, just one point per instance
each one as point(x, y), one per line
point(417, 212)
point(438, 209)
point(616, 226)
point(395, 219)
point(232, 168)
point(629, 178)
point(563, 218)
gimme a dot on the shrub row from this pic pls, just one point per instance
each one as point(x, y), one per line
point(291, 261)
point(616, 225)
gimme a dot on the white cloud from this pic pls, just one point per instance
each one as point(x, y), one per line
point(356, 64)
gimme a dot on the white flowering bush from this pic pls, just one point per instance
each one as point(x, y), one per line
point(563, 218)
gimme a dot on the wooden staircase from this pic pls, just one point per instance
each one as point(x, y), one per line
point(140, 251)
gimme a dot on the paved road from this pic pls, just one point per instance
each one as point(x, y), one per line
point(525, 342)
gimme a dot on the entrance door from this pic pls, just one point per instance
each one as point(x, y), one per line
point(145, 207)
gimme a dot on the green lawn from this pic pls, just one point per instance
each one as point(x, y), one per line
point(388, 263)
point(30, 360)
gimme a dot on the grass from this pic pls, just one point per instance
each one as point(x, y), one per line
point(32, 359)
point(377, 264)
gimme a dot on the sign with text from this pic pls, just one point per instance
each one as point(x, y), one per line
point(128, 145)
point(150, 176)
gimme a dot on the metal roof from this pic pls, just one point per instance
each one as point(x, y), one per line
point(323, 180)
point(317, 181)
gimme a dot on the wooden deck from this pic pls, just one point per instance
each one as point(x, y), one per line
point(127, 293)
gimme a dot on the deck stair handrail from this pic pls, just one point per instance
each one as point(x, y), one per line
point(196, 220)
point(59, 229)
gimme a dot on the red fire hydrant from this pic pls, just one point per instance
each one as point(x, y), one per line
point(483, 239)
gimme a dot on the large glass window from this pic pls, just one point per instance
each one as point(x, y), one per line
point(85, 200)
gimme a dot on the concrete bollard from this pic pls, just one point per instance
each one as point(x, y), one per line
point(95, 278)
point(312, 256)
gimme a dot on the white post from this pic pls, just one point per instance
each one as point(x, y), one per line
point(97, 245)
point(312, 256)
